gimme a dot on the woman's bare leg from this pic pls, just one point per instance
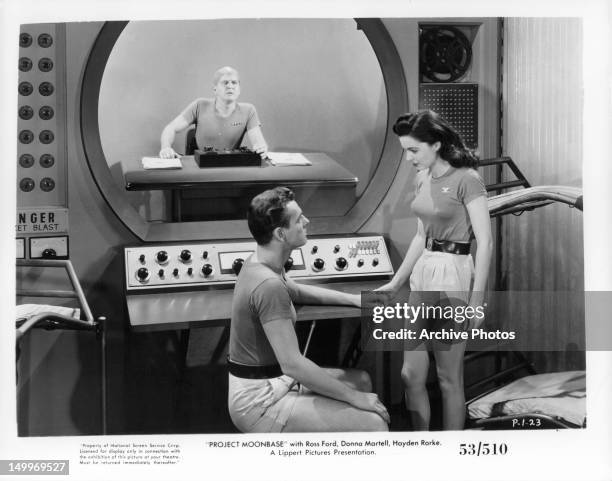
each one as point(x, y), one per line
point(449, 365)
point(414, 376)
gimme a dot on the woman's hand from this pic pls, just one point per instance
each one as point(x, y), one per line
point(167, 153)
point(368, 401)
point(477, 304)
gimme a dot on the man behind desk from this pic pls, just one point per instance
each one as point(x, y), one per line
point(265, 363)
point(221, 122)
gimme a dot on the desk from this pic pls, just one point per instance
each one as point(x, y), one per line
point(209, 308)
point(324, 188)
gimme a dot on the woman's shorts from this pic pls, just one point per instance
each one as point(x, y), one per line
point(444, 280)
point(261, 405)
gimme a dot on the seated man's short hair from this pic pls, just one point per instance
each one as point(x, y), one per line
point(267, 212)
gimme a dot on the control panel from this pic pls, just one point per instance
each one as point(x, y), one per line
point(41, 170)
point(219, 263)
point(41, 143)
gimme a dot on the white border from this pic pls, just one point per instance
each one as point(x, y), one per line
point(583, 454)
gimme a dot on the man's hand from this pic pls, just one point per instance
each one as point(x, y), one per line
point(262, 151)
point(368, 401)
point(167, 153)
point(387, 292)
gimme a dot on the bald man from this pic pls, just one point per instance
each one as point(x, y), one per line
point(221, 122)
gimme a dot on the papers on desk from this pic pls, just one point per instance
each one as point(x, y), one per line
point(149, 163)
point(281, 159)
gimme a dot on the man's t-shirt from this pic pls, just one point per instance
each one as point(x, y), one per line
point(440, 203)
point(261, 295)
point(216, 131)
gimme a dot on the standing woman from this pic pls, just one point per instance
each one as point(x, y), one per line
point(452, 209)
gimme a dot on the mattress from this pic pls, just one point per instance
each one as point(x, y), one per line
point(559, 394)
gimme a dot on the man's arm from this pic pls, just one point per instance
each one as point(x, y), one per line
point(282, 338)
point(309, 294)
point(257, 141)
point(168, 135)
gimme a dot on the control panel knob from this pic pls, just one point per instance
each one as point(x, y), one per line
point(318, 264)
point(185, 255)
point(289, 264)
point(341, 263)
point(237, 265)
point(336, 249)
point(25, 40)
point(49, 253)
point(175, 272)
point(141, 258)
point(360, 263)
point(25, 64)
point(27, 184)
point(162, 256)
point(142, 274)
point(375, 261)
point(47, 160)
point(314, 250)
point(190, 271)
point(160, 273)
point(205, 255)
point(207, 270)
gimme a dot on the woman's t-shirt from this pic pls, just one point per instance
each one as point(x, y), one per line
point(440, 203)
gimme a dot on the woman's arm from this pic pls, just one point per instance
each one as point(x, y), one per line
point(282, 338)
point(405, 269)
point(168, 134)
point(258, 142)
point(478, 211)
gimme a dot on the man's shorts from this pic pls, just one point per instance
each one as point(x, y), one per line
point(261, 405)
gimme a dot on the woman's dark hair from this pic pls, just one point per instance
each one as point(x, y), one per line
point(429, 127)
point(267, 212)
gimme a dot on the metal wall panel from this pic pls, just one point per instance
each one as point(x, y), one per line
point(542, 132)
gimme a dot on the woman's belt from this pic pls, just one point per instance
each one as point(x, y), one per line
point(254, 372)
point(450, 247)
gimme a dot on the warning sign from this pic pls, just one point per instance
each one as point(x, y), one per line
point(41, 220)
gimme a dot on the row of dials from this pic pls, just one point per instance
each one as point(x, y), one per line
point(219, 263)
point(44, 40)
point(143, 274)
point(367, 248)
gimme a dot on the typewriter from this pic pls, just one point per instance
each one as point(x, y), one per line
point(242, 157)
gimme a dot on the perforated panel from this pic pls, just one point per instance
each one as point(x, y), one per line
point(457, 103)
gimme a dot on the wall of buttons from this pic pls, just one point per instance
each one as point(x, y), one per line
point(209, 264)
point(41, 169)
